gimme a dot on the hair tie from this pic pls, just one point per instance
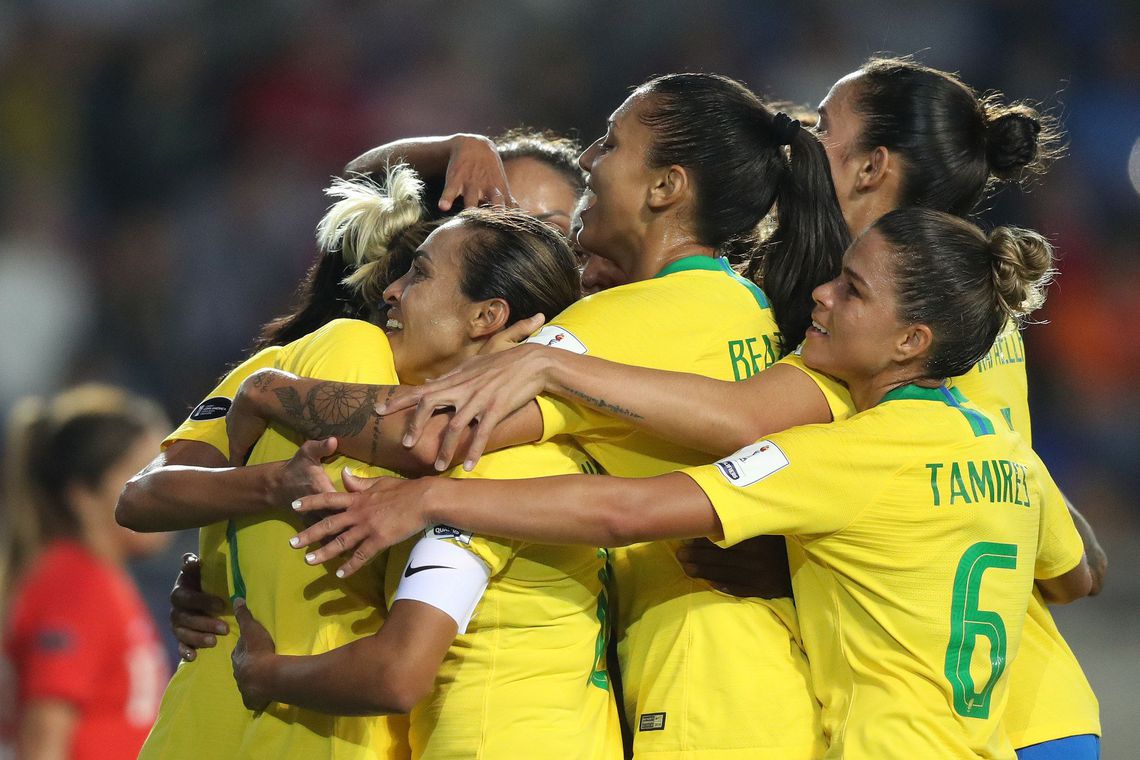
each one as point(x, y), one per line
point(784, 128)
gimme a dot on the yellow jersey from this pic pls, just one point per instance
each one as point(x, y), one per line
point(201, 709)
point(532, 664)
point(1049, 695)
point(691, 657)
point(307, 609)
point(922, 527)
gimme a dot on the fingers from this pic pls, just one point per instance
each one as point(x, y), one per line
point(521, 330)
point(321, 531)
point(483, 430)
point(352, 540)
point(330, 501)
point(361, 556)
point(356, 483)
point(319, 450)
point(241, 614)
point(451, 191)
point(452, 436)
point(399, 398)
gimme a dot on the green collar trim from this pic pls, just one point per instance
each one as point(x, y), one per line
point(711, 264)
point(979, 422)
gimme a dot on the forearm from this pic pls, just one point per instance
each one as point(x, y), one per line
point(176, 497)
point(333, 682)
point(1097, 559)
point(388, 672)
point(427, 155)
point(575, 509)
point(319, 409)
point(714, 416)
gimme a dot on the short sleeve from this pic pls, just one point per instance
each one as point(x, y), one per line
point(207, 422)
point(801, 482)
point(1059, 545)
point(590, 327)
point(63, 649)
point(344, 350)
point(838, 398)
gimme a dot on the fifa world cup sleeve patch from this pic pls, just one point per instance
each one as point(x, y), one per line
point(211, 409)
point(558, 337)
point(752, 463)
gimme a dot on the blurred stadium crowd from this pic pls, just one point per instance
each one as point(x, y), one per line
point(161, 164)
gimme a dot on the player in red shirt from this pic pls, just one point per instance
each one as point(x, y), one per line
point(85, 655)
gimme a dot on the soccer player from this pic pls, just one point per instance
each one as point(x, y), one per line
point(544, 175)
point(897, 134)
point(688, 163)
point(921, 525)
point(530, 661)
point(86, 663)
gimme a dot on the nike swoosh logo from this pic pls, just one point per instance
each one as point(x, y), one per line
point(410, 571)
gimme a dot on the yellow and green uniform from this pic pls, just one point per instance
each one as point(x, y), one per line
point(922, 527)
point(307, 609)
point(705, 674)
point(528, 678)
point(1049, 695)
point(201, 708)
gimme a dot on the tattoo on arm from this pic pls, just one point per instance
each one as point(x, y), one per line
point(329, 409)
point(376, 420)
point(261, 380)
point(603, 405)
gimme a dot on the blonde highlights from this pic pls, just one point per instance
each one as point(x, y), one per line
point(365, 221)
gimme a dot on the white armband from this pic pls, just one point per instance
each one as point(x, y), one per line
point(446, 576)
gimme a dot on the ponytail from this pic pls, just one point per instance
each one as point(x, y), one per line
point(21, 532)
point(806, 247)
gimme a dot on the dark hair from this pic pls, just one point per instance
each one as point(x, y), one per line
point(729, 141)
point(515, 257)
point(367, 238)
point(52, 444)
point(966, 286)
point(955, 146)
point(556, 151)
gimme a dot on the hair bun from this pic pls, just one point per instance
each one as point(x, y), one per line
point(1022, 269)
point(1012, 140)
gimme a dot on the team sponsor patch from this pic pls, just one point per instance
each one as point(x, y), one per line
point(559, 337)
point(446, 531)
point(651, 722)
point(753, 463)
point(211, 409)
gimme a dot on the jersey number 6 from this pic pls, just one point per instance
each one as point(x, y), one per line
point(967, 623)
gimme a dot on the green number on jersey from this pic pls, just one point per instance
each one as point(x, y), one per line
point(967, 623)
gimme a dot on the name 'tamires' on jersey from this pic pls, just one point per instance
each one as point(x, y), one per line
point(912, 569)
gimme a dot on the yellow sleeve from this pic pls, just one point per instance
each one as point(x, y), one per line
point(838, 398)
point(207, 423)
point(593, 329)
point(1059, 545)
point(495, 553)
point(344, 350)
point(805, 481)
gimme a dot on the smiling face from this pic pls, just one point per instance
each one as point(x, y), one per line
point(614, 218)
point(856, 330)
point(429, 318)
point(542, 191)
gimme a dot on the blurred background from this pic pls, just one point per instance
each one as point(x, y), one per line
point(161, 169)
